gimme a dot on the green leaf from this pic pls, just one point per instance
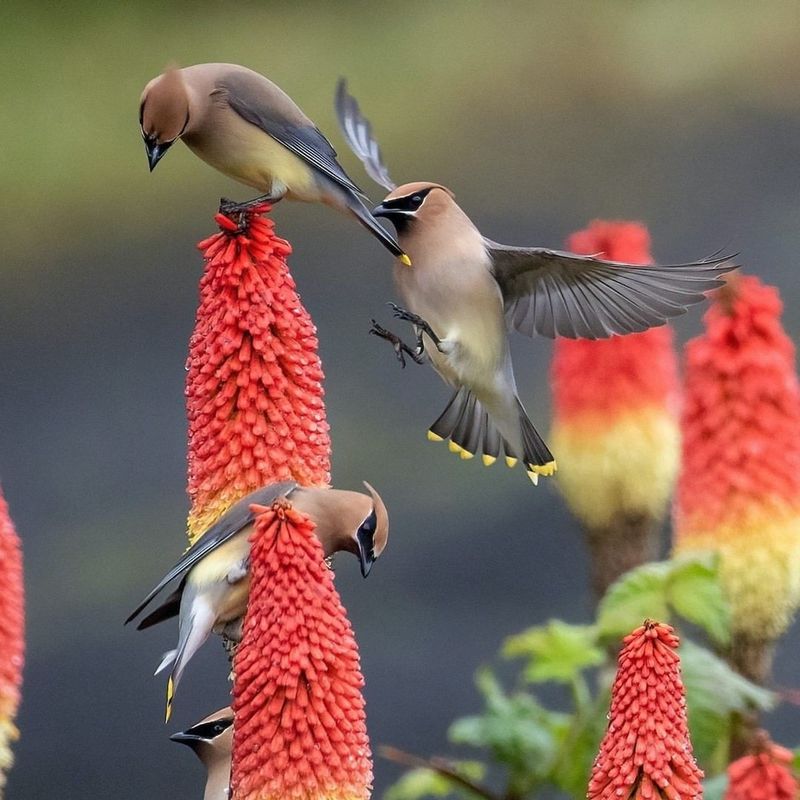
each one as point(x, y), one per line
point(423, 782)
point(638, 595)
point(695, 592)
point(713, 693)
point(557, 651)
point(578, 751)
point(519, 733)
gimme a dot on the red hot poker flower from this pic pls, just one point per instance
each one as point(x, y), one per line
point(254, 388)
point(300, 730)
point(739, 490)
point(765, 774)
point(615, 424)
point(12, 636)
point(646, 752)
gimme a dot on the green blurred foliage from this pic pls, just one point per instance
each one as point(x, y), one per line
point(536, 747)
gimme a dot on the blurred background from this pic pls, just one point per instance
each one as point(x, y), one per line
point(540, 116)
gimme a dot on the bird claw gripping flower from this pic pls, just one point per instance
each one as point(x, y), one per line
point(254, 386)
point(12, 637)
point(764, 774)
point(300, 731)
point(646, 751)
point(739, 490)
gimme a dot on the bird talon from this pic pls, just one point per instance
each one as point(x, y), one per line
point(418, 322)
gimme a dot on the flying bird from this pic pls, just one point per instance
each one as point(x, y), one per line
point(463, 292)
point(245, 126)
point(213, 592)
point(211, 740)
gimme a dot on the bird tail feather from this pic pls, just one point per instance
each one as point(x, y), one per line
point(363, 215)
point(471, 430)
point(193, 633)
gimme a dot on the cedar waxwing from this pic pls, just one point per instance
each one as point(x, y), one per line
point(249, 129)
point(211, 739)
point(463, 292)
point(213, 593)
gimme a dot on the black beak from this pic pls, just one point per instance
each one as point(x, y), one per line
point(366, 554)
point(155, 151)
point(188, 739)
point(381, 211)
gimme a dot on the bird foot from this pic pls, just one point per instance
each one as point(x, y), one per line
point(401, 349)
point(228, 206)
point(418, 322)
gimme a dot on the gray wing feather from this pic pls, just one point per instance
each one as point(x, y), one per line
point(229, 524)
point(357, 132)
point(251, 100)
point(553, 293)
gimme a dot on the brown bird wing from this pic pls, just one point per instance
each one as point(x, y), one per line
point(554, 293)
point(229, 524)
point(357, 132)
point(264, 105)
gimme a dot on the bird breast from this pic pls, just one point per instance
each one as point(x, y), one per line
point(244, 152)
point(462, 303)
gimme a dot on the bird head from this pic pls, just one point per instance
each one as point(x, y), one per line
point(163, 114)
point(210, 738)
point(414, 202)
point(372, 533)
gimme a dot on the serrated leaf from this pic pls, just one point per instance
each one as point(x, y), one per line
point(714, 692)
point(638, 595)
point(695, 592)
point(422, 782)
point(557, 651)
point(519, 733)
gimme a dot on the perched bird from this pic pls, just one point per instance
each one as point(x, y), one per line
point(211, 739)
point(212, 596)
point(249, 129)
point(463, 292)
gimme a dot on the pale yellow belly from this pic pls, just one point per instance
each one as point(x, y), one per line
point(254, 158)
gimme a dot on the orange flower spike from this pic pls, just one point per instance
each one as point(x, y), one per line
point(615, 428)
point(12, 636)
point(253, 389)
point(739, 491)
point(646, 752)
point(300, 730)
point(765, 774)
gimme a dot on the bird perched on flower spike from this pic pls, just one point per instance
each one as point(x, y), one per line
point(245, 126)
point(212, 595)
point(463, 292)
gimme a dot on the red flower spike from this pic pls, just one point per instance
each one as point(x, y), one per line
point(12, 636)
point(254, 388)
point(739, 490)
point(646, 752)
point(615, 428)
point(765, 774)
point(300, 730)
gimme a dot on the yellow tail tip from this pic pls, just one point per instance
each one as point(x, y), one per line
point(511, 462)
point(434, 437)
point(170, 695)
point(404, 259)
point(488, 460)
point(453, 447)
point(547, 469)
point(465, 454)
